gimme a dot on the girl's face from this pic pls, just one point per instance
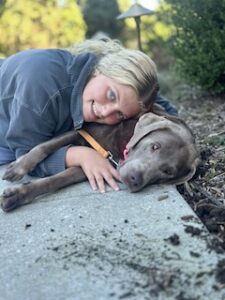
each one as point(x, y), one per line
point(105, 101)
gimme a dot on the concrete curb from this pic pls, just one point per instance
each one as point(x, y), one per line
point(80, 245)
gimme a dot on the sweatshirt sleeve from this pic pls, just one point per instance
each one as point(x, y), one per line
point(53, 164)
point(22, 136)
point(169, 108)
point(34, 104)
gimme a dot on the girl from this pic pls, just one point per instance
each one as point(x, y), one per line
point(44, 93)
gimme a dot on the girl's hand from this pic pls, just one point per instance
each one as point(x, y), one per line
point(97, 169)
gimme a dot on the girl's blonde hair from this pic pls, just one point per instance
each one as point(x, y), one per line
point(126, 66)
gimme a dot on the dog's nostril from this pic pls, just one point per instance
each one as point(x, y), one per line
point(136, 178)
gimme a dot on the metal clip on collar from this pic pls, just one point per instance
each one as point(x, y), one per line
point(111, 159)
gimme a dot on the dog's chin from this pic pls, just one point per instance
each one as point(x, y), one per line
point(133, 189)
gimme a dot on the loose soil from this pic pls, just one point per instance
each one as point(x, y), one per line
point(205, 193)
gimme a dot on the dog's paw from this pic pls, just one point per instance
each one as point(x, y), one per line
point(14, 172)
point(10, 199)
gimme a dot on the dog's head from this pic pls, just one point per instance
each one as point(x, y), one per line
point(162, 150)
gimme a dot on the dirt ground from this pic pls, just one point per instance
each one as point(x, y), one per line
point(205, 193)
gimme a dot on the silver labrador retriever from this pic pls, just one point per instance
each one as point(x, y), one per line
point(157, 148)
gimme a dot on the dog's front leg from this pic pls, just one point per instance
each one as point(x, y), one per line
point(26, 163)
point(26, 193)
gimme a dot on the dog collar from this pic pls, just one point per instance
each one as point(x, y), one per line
point(106, 154)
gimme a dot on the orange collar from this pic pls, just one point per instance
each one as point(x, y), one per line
point(94, 144)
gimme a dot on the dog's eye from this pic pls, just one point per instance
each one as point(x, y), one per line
point(156, 146)
point(168, 172)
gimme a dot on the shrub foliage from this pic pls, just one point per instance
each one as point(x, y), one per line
point(198, 43)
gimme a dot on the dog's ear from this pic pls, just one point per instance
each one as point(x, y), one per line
point(188, 176)
point(183, 179)
point(160, 111)
point(148, 123)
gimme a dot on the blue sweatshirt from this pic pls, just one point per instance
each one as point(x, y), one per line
point(41, 97)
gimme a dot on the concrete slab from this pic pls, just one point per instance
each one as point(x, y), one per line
point(80, 245)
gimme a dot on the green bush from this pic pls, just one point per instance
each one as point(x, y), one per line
point(198, 43)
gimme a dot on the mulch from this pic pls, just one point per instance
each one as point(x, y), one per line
point(205, 193)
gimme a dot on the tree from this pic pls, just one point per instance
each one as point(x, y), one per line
point(198, 42)
point(40, 24)
point(100, 15)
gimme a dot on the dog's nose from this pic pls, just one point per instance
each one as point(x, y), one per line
point(135, 179)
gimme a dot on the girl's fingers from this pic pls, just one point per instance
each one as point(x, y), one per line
point(92, 182)
point(116, 174)
point(101, 184)
point(110, 176)
point(98, 181)
point(111, 182)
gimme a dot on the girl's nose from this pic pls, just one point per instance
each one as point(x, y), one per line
point(108, 110)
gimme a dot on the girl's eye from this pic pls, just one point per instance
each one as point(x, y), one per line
point(111, 95)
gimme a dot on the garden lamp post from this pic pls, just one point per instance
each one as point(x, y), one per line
point(136, 11)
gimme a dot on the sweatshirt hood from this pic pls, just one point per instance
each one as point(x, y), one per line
point(79, 70)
